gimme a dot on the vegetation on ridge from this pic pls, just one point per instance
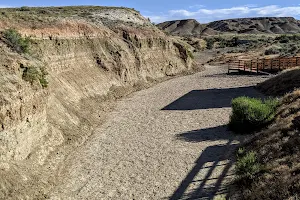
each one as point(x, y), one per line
point(16, 41)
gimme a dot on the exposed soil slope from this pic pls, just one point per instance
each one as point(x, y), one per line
point(259, 25)
point(281, 84)
point(91, 55)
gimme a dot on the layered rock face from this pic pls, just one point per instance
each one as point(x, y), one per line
point(92, 55)
point(256, 25)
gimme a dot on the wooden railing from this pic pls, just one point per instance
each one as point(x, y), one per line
point(264, 65)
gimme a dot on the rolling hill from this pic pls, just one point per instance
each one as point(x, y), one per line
point(258, 25)
point(188, 27)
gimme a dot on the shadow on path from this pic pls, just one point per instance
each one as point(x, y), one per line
point(208, 134)
point(214, 160)
point(208, 176)
point(211, 98)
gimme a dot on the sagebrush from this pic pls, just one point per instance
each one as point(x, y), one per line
point(16, 41)
point(251, 114)
point(35, 74)
point(247, 166)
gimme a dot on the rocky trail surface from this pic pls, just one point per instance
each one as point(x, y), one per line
point(166, 142)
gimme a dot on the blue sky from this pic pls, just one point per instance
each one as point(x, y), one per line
point(203, 11)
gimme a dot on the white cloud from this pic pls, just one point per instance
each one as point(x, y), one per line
point(278, 11)
point(207, 15)
point(251, 5)
point(158, 18)
point(197, 6)
point(4, 6)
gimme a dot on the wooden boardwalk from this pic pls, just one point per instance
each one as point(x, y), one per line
point(263, 66)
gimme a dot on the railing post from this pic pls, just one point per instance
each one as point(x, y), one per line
point(257, 66)
point(271, 64)
point(228, 66)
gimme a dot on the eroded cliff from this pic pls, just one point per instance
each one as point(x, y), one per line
point(92, 55)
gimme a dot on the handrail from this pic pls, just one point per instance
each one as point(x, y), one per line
point(266, 64)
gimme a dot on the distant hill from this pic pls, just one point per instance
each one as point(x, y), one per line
point(258, 25)
point(188, 27)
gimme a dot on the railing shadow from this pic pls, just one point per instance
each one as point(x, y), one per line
point(211, 98)
point(214, 165)
point(208, 134)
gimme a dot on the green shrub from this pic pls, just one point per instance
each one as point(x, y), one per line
point(24, 8)
point(210, 43)
point(251, 114)
point(272, 51)
point(247, 165)
point(288, 38)
point(15, 40)
point(85, 14)
point(190, 54)
point(222, 42)
point(34, 74)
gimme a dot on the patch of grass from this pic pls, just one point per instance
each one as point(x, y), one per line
point(251, 114)
point(16, 41)
point(222, 42)
point(34, 74)
point(190, 54)
point(247, 166)
point(65, 11)
point(288, 38)
point(85, 14)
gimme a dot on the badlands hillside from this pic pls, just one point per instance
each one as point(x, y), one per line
point(187, 27)
point(259, 25)
point(54, 94)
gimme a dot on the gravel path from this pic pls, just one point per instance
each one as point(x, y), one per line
point(166, 142)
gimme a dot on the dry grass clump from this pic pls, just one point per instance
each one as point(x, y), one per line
point(278, 150)
point(281, 84)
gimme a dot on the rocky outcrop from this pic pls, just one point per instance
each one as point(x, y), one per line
point(96, 55)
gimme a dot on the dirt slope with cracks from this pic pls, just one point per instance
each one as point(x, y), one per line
point(166, 142)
